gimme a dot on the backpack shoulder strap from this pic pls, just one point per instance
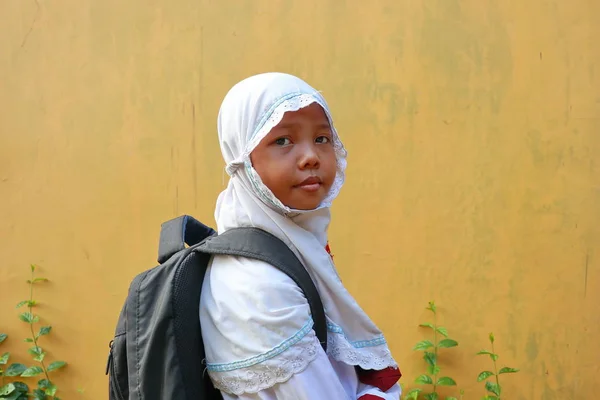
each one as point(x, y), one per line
point(176, 233)
point(260, 245)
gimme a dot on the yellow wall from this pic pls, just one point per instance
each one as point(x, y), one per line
point(474, 134)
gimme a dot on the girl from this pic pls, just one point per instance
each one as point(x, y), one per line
point(286, 164)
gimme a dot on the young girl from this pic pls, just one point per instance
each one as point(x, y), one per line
point(286, 164)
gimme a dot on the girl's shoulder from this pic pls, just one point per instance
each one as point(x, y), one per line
point(232, 282)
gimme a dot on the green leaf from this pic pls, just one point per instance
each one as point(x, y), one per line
point(56, 365)
point(424, 380)
point(26, 317)
point(427, 325)
point(48, 387)
point(15, 369)
point(29, 318)
point(21, 387)
point(17, 395)
point(446, 381)
point(507, 370)
point(430, 358)
point(482, 352)
point(413, 394)
point(432, 307)
point(51, 390)
point(491, 338)
point(28, 340)
point(484, 375)
point(494, 357)
point(38, 353)
point(22, 303)
point(3, 337)
point(4, 358)
point(423, 345)
point(32, 267)
point(44, 330)
point(493, 388)
point(442, 330)
point(489, 397)
point(44, 383)
point(39, 394)
point(7, 389)
point(451, 398)
point(446, 343)
point(433, 369)
point(431, 396)
point(36, 280)
point(32, 371)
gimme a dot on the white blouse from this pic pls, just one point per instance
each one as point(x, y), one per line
point(262, 319)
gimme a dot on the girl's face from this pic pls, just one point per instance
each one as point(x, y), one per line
point(296, 159)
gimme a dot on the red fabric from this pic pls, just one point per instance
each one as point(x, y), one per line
point(369, 397)
point(383, 379)
point(328, 250)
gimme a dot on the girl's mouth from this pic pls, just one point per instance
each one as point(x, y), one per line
point(311, 184)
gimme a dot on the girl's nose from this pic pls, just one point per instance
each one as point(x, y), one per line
point(309, 159)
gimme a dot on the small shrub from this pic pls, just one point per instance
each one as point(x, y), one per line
point(18, 389)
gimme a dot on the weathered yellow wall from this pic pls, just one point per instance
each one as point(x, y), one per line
point(474, 134)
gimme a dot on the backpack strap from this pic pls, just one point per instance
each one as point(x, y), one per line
point(178, 232)
point(260, 245)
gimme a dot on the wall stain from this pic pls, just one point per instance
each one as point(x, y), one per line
point(534, 143)
point(390, 95)
point(35, 17)
point(172, 165)
point(194, 168)
point(462, 53)
point(531, 349)
point(549, 393)
point(86, 253)
point(176, 205)
point(412, 107)
point(587, 262)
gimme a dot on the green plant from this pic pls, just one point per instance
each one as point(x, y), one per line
point(494, 388)
point(19, 390)
point(430, 349)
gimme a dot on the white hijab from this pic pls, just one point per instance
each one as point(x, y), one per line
point(249, 111)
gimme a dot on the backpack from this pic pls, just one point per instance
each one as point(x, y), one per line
point(157, 351)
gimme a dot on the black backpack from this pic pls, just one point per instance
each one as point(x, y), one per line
point(157, 352)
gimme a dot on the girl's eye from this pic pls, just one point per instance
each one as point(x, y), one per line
point(282, 141)
point(323, 139)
